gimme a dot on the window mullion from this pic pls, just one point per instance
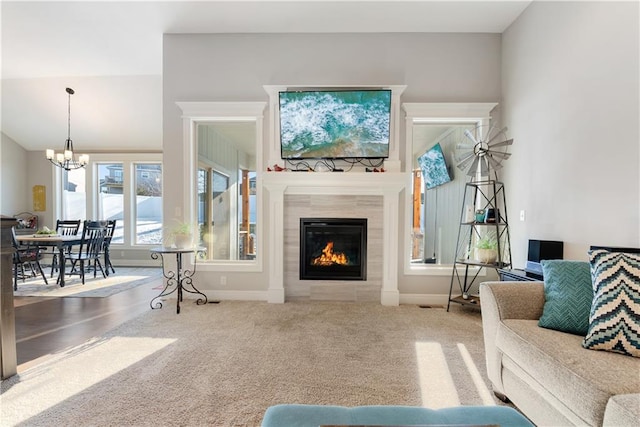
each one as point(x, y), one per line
point(128, 205)
point(92, 194)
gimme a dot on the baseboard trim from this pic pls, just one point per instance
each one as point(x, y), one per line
point(231, 295)
point(424, 299)
point(135, 263)
point(235, 295)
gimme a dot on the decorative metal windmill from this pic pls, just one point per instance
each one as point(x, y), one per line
point(482, 150)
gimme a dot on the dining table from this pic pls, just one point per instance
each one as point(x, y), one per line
point(52, 240)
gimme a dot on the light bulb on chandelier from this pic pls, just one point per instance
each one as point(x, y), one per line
point(67, 159)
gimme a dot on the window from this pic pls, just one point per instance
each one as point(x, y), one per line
point(124, 187)
point(213, 212)
point(111, 196)
point(247, 214)
point(224, 138)
point(148, 203)
point(433, 211)
point(74, 194)
point(226, 205)
point(437, 199)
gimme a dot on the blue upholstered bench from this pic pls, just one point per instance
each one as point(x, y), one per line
point(317, 415)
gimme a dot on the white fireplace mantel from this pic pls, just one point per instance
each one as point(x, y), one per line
point(385, 184)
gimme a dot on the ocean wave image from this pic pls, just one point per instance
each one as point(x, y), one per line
point(335, 124)
point(434, 167)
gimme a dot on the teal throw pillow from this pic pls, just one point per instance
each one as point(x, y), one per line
point(568, 294)
point(614, 321)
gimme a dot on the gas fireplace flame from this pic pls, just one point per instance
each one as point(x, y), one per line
point(329, 257)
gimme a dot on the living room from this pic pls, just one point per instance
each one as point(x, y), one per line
point(549, 86)
point(563, 77)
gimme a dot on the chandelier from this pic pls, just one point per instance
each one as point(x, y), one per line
point(67, 159)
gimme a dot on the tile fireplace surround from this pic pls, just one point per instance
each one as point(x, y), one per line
point(295, 195)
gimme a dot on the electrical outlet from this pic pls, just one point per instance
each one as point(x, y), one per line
point(223, 280)
point(522, 215)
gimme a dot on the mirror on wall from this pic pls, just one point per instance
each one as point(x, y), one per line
point(226, 189)
point(438, 189)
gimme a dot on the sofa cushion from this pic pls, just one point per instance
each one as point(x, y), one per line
point(568, 295)
point(614, 321)
point(583, 380)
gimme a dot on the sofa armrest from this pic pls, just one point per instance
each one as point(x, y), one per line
point(622, 410)
point(514, 300)
point(506, 300)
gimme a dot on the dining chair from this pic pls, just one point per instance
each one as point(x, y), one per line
point(89, 250)
point(28, 256)
point(111, 226)
point(64, 227)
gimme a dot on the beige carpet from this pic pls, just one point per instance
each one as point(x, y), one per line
point(224, 364)
point(123, 279)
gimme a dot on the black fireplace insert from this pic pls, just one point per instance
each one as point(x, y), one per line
point(333, 248)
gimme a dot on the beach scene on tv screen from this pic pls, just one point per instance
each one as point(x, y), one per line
point(335, 124)
point(434, 167)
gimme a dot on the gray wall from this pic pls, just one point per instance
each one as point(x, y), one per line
point(234, 67)
point(570, 98)
point(20, 170)
point(41, 173)
point(16, 193)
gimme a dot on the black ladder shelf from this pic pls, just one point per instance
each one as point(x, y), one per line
point(488, 194)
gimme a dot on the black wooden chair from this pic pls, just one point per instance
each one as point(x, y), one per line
point(111, 226)
point(89, 250)
point(25, 259)
point(86, 255)
point(64, 227)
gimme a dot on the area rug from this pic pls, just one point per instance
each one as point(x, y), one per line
point(124, 279)
point(225, 364)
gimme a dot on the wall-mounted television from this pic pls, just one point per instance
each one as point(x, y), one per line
point(335, 124)
point(434, 167)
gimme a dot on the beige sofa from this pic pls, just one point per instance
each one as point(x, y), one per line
point(547, 374)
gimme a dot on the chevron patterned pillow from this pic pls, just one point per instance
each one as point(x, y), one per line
point(568, 294)
point(614, 321)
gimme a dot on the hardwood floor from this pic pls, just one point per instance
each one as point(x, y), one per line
point(45, 326)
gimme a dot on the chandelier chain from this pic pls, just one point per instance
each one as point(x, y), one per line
point(69, 118)
point(67, 159)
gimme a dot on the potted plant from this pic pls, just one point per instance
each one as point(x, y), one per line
point(487, 249)
point(182, 235)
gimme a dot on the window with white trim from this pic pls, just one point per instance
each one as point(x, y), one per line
point(124, 187)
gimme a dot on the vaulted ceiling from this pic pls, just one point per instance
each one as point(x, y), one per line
point(110, 53)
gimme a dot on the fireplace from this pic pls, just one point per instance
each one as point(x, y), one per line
point(333, 249)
